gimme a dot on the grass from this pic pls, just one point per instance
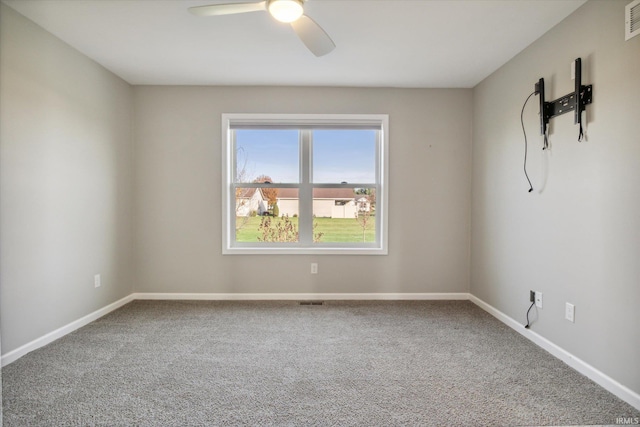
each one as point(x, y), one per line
point(334, 229)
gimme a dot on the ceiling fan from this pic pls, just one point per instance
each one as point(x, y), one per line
point(288, 11)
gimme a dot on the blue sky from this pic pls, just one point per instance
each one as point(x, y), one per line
point(338, 155)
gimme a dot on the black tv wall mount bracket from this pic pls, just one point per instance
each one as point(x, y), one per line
point(575, 101)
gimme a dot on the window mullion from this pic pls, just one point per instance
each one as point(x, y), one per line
point(378, 187)
point(305, 205)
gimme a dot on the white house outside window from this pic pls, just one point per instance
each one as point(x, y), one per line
point(301, 184)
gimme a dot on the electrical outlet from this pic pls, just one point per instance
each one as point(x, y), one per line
point(96, 281)
point(314, 268)
point(569, 312)
point(539, 299)
point(532, 296)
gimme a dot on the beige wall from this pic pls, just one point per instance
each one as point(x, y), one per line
point(576, 238)
point(178, 192)
point(65, 183)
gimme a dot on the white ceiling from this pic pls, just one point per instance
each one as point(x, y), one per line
point(380, 43)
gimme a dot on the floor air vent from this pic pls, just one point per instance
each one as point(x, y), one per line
point(632, 20)
point(311, 302)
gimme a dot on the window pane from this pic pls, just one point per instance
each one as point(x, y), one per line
point(266, 214)
point(267, 155)
point(325, 168)
point(344, 215)
point(344, 156)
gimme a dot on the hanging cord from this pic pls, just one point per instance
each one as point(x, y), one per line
point(581, 134)
point(525, 141)
point(530, 307)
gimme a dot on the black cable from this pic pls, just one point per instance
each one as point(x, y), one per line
point(581, 134)
point(530, 307)
point(525, 141)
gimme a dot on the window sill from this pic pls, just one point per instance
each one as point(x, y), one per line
point(305, 251)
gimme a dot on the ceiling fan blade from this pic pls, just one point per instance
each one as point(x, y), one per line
point(228, 8)
point(313, 36)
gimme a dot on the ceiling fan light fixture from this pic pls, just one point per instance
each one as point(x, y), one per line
point(285, 10)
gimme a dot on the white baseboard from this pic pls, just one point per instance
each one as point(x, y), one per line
point(60, 332)
point(579, 365)
point(300, 296)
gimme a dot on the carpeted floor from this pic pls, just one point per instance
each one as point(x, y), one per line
point(391, 363)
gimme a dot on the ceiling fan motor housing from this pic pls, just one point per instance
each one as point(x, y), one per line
point(285, 10)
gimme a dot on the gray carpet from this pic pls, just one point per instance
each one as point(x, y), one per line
point(196, 363)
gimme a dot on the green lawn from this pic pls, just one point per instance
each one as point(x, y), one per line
point(334, 229)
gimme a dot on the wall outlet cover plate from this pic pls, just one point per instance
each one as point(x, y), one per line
point(539, 299)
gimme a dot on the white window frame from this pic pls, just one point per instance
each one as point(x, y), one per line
point(305, 245)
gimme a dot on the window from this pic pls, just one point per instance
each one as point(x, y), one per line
point(305, 184)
